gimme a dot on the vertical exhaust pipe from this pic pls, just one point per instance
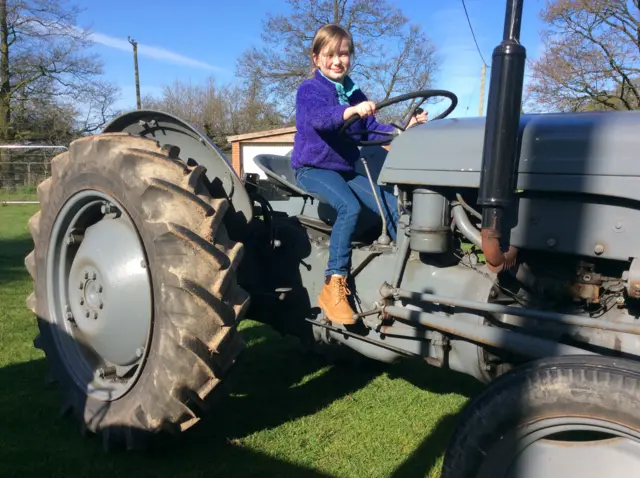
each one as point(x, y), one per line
point(500, 155)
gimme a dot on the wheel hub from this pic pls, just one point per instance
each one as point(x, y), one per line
point(92, 299)
point(110, 291)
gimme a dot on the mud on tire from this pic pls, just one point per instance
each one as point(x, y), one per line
point(195, 306)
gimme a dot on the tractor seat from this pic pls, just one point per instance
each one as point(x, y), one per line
point(278, 169)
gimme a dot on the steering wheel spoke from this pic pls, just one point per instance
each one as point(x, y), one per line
point(396, 125)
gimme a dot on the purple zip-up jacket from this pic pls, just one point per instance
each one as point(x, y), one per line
point(318, 120)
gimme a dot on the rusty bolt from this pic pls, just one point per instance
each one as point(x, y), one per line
point(599, 249)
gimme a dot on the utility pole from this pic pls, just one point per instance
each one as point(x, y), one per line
point(482, 78)
point(135, 66)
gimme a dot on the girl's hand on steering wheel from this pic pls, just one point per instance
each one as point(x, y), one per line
point(365, 109)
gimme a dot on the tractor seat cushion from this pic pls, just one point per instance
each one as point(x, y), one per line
point(279, 171)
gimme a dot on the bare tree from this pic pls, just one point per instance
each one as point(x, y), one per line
point(591, 59)
point(44, 59)
point(392, 56)
point(219, 111)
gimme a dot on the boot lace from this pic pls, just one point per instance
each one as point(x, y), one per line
point(340, 289)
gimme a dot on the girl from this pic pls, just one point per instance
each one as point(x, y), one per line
point(324, 164)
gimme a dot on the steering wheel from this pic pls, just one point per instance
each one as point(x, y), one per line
point(423, 94)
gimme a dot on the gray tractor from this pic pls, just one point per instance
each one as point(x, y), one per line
point(513, 264)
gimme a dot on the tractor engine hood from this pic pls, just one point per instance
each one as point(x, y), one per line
point(594, 153)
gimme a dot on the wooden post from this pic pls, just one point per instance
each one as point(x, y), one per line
point(482, 78)
point(135, 66)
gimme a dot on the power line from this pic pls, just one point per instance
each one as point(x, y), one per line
point(472, 33)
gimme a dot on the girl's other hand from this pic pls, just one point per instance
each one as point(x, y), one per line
point(421, 118)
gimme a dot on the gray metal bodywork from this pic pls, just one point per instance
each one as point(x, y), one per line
point(578, 190)
point(419, 274)
point(568, 153)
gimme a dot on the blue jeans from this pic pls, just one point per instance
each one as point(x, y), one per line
point(345, 192)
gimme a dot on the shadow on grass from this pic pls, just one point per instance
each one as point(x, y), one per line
point(12, 255)
point(266, 393)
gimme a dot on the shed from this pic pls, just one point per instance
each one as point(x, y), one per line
point(245, 147)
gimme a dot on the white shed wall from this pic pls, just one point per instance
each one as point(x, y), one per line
point(251, 150)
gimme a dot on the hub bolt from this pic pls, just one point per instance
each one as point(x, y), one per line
point(106, 372)
point(74, 238)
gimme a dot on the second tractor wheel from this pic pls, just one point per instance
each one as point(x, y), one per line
point(135, 287)
point(564, 417)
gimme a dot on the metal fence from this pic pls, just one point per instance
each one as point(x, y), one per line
point(23, 167)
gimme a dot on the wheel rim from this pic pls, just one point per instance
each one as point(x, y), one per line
point(566, 448)
point(99, 294)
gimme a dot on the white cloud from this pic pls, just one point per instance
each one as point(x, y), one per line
point(152, 52)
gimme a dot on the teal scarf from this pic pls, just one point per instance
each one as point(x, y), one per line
point(345, 89)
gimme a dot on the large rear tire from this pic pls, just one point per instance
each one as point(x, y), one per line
point(135, 287)
point(565, 417)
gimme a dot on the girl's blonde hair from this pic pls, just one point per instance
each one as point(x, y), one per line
point(330, 34)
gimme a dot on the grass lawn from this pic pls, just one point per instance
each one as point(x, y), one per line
point(291, 414)
point(26, 193)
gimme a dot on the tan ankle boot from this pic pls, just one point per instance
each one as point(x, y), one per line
point(333, 300)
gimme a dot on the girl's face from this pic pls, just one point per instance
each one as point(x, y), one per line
point(334, 60)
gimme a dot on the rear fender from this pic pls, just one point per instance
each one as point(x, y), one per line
point(194, 145)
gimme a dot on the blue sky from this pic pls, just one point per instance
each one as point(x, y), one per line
point(193, 39)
